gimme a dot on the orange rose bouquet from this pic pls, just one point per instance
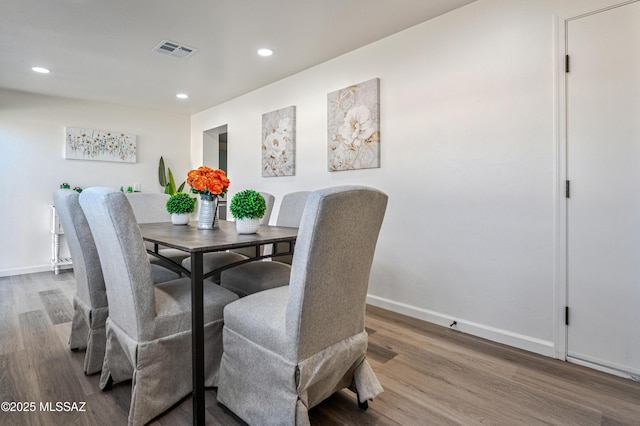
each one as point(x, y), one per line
point(208, 182)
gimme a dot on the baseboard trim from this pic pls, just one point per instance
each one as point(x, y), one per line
point(29, 270)
point(527, 343)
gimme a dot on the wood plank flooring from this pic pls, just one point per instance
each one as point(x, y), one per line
point(431, 375)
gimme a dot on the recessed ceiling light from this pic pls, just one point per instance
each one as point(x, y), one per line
point(265, 52)
point(182, 96)
point(40, 70)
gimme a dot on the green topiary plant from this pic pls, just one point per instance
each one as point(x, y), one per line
point(180, 203)
point(247, 204)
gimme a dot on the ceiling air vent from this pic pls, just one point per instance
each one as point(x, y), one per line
point(174, 49)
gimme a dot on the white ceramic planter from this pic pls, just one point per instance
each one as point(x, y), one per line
point(180, 218)
point(247, 226)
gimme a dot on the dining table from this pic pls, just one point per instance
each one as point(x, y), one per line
point(196, 242)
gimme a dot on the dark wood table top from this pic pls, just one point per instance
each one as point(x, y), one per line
point(191, 239)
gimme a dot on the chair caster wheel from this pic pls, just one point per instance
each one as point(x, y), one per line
point(363, 405)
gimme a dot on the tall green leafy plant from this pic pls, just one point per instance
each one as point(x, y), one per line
point(169, 184)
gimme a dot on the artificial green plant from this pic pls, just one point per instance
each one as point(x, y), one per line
point(248, 204)
point(180, 203)
point(169, 185)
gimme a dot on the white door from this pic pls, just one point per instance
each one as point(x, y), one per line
point(603, 208)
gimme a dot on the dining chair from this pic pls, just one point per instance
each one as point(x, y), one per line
point(287, 349)
point(151, 207)
point(215, 260)
point(90, 301)
point(149, 326)
point(90, 307)
point(257, 276)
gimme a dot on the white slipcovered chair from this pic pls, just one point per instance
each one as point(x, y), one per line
point(149, 327)
point(289, 348)
point(90, 301)
point(213, 261)
point(258, 276)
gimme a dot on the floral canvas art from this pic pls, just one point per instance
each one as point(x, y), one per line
point(279, 142)
point(101, 145)
point(353, 124)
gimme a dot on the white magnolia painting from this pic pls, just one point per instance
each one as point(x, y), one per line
point(100, 145)
point(353, 124)
point(279, 142)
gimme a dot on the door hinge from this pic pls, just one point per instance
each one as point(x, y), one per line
point(566, 315)
point(566, 63)
point(567, 189)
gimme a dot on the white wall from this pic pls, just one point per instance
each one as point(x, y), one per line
point(32, 165)
point(468, 160)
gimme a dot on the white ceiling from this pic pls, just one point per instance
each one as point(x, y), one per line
point(101, 49)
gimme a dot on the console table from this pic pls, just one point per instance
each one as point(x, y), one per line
point(56, 230)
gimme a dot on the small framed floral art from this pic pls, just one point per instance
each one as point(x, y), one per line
point(279, 142)
point(100, 145)
point(353, 125)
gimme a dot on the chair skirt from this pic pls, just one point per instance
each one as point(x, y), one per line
point(88, 331)
point(263, 387)
point(162, 365)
